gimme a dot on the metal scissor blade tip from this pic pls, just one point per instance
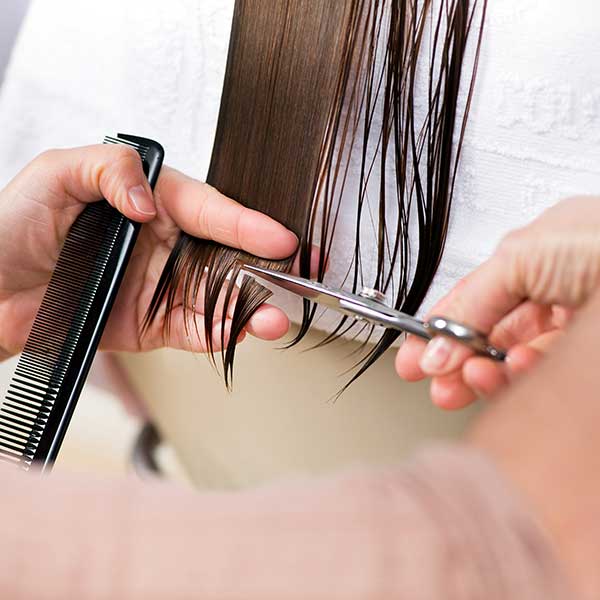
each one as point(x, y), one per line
point(277, 277)
point(305, 288)
point(267, 274)
point(255, 269)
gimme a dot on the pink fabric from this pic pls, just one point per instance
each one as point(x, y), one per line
point(442, 527)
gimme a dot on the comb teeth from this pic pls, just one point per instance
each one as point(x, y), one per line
point(142, 150)
point(39, 379)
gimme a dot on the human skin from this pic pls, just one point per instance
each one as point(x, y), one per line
point(545, 455)
point(541, 286)
point(40, 204)
point(522, 297)
point(542, 432)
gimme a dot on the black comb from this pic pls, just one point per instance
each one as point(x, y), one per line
point(67, 329)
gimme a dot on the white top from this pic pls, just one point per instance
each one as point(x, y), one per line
point(83, 69)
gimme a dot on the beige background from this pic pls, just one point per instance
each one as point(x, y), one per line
point(280, 420)
point(101, 432)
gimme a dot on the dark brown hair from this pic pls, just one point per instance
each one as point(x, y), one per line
point(303, 81)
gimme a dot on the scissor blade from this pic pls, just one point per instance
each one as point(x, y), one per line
point(311, 290)
point(361, 307)
point(356, 306)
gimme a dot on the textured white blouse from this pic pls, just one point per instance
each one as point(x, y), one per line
point(83, 69)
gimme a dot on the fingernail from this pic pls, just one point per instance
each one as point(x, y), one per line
point(436, 355)
point(142, 201)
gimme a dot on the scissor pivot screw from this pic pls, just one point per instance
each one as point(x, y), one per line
point(372, 294)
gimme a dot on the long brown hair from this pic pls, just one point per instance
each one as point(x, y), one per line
point(305, 80)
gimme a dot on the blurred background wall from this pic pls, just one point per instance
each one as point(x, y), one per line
point(13, 12)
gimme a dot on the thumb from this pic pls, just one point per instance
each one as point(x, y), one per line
point(91, 173)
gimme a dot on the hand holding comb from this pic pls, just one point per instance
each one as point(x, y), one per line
point(60, 349)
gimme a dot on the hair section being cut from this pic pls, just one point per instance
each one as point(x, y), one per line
point(314, 91)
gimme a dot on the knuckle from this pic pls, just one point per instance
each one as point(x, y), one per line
point(49, 166)
point(513, 242)
point(123, 162)
point(124, 157)
point(47, 158)
point(205, 195)
point(517, 243)
point(203, 217)
point(237, 226)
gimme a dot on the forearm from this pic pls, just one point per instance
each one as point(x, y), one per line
point(543, 432)
point(444, 526)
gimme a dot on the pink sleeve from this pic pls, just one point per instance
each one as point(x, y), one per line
point(442, 527)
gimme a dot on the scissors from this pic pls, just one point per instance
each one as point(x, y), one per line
point(369, 305)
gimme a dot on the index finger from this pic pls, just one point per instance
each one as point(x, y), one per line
point(202, 211)
point(483, 297)
point(480, 300)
